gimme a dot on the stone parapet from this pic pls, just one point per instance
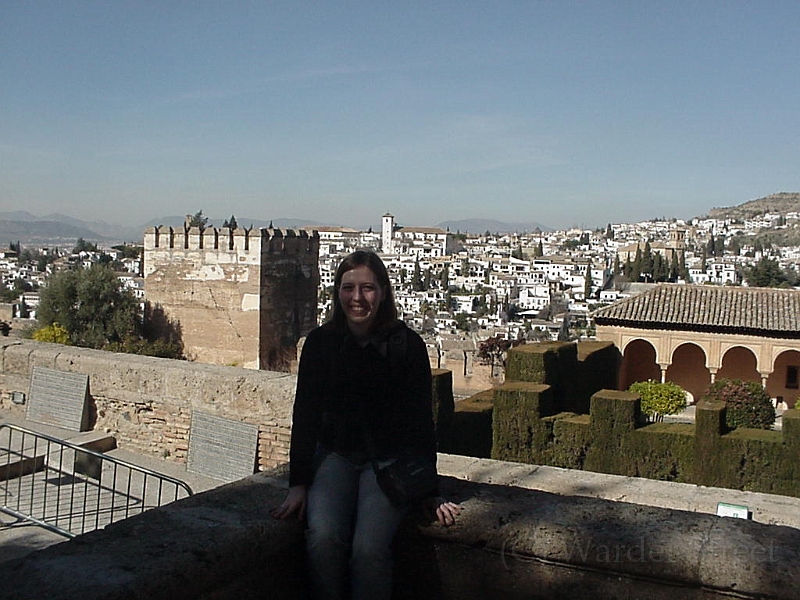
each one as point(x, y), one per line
point(146, 403)
point(510, 542)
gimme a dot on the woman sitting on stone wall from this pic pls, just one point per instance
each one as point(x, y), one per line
point(363, 400)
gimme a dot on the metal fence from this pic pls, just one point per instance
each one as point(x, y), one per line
point(71, 490)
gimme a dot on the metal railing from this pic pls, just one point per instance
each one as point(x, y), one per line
point(72, 490)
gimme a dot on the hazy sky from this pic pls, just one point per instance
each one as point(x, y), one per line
point(564, 113)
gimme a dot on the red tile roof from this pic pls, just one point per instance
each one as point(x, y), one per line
point(768, 312)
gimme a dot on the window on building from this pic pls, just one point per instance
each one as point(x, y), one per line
point(792, 377)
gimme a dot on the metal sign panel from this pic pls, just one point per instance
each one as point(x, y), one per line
point(58, 398)
point(733, 510)
point(221, 448)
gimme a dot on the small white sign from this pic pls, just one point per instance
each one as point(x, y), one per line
point(732, 510)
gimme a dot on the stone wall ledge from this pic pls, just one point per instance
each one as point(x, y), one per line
point(770, 509)
point(510, 542)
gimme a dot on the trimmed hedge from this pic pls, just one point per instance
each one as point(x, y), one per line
point(614, 439)
point(471, 427)
point(530, 424)
point(443, 404)
point(517, 426)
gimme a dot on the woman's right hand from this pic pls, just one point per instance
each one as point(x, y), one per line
point(295, 503)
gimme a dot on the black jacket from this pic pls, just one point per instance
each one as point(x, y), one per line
point(344, 389)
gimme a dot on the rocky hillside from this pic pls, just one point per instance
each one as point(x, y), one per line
point(781, 203)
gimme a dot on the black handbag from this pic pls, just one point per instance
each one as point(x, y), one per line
point(407, 480)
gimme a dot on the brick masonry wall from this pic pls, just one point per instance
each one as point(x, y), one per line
point(146, 403)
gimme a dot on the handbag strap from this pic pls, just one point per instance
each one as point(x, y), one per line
point(396, 351)
point(369, 442)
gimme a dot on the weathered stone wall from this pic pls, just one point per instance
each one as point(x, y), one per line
point(289, 284)
point(6, 312)
point(241, 298)
point(146, 403)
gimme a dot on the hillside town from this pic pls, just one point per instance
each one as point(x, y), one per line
point(545, 284)
point(461, 288)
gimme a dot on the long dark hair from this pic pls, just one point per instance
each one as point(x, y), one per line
point(387, 311)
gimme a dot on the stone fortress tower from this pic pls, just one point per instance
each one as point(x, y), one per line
point(241, 297)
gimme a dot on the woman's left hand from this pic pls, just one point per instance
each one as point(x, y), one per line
point(444, 511)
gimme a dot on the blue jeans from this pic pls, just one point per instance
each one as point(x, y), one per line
point(351, 525)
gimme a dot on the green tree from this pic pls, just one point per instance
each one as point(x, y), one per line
point(83, 246)
point(462, 321)
point(42, 260)
point(768, 273)
point(198, 220)
point(53, 333)
point(96, 311)
point(627, 270)
point(659, 268)
point(735, 246)
point(646, 263)
point(230, 223)
point(636, 266)
point(587, 281)
point(129, 250)
point(683, 269)
point(91, 305)
point(719, 246)
point(416, 277)
point(539, 250)
point(158, 336)
point(445, 276)
point(570, 244)
point(674, 268)
point(747, 403)
point(18, 287)
point(711, 246)
point(659, 399)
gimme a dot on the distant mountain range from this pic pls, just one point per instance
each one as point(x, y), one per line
point(490, 225)
point(53, 230)
point(57, 230)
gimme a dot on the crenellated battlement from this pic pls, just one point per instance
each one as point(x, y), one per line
point(290, 241)
point(242, 296)
point(270, 240)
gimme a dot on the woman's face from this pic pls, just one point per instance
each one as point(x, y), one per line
point(360, 296)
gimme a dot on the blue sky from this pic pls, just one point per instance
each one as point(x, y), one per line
point(564, 113)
